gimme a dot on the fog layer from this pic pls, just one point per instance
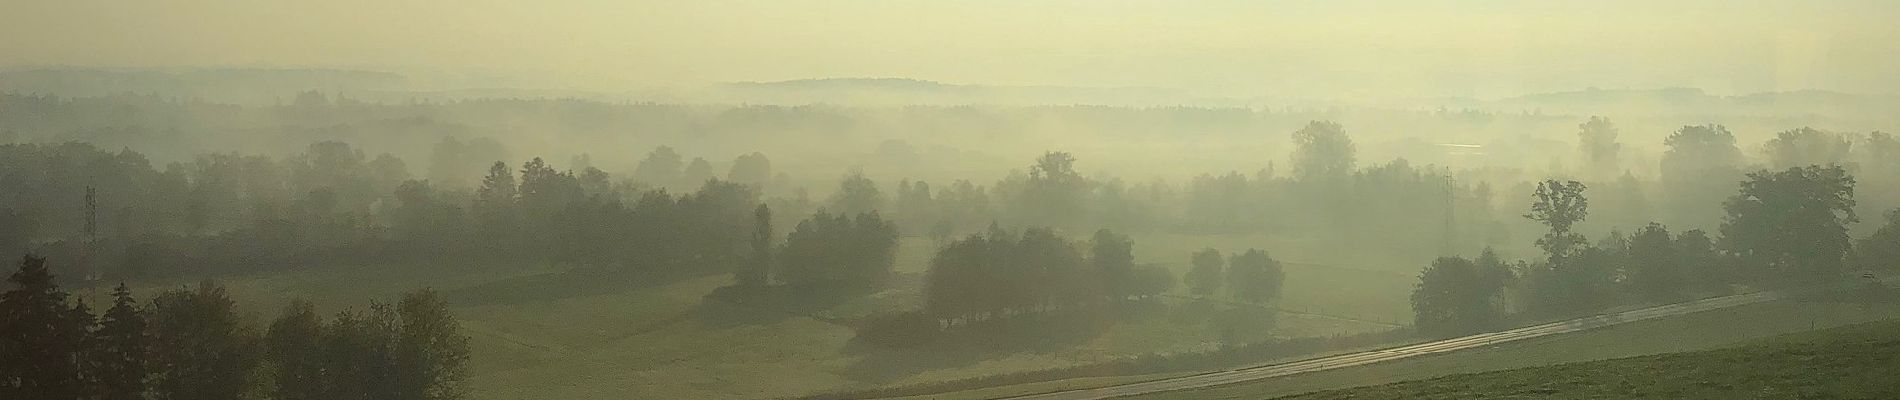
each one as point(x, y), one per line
point(1349, 49)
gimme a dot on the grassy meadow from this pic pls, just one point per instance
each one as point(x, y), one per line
point(539, 332)
point(1717, 329)
point(1852, 362)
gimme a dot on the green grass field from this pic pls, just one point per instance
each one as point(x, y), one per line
point(1701, 331)
point(538, 333)
point(1852, 362)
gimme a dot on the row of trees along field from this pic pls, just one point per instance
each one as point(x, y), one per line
point(1000, 273)
point(350, 210)
point(333, 203)
point(1782, 228)
point(1000, 278)
point(191, 344)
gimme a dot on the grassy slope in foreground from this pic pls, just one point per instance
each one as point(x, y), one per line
point(1855, 362)
point(1700, 331)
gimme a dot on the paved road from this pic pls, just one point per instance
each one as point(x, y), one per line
point(1375, 356)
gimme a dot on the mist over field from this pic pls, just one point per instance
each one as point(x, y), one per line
point(952, 199)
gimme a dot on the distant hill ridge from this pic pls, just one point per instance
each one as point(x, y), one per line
point(267, 85)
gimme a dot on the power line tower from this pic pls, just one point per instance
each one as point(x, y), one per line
point(92, 214)
point(1449, 239)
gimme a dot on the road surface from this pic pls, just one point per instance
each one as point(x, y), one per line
point(1376, 356)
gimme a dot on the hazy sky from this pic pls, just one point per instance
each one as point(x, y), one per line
point(1317, 48)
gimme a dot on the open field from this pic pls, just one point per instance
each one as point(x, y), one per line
point(539, 332)
point(1700, 331)
point(1854, 362)
point(1359, 286)
point(1040, 387)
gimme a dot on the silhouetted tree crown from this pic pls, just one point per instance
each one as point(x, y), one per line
point(1792, 224)
point(1322, 152)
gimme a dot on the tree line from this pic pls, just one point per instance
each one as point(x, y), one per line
point(1252, 276)
point(1001, 274)
point(1008, 284)
point(191, 344)
point(335, 202)
point(1781, 228)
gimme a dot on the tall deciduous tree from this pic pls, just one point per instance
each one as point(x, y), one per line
point(1792, 224)
point(1710, 269)
point(1699, 168)
point(1456, 295)
point(498, 193)
point(660, 168)
point(431, 354)
point(292, 345)
point(1881, 250)
point(1807, 146)
point(359, 354)
point(830, 249)
point(1597, 139)
point(751, 169)
point(1657, 267)
point(856, 195)
point(758, 270)
point(1559, 205)
point(697, 172)
point(1206, 273)
point(1054, 193)
point(1113, 256)
point(545, 191)
point(1322, 152)
point(1254, 276)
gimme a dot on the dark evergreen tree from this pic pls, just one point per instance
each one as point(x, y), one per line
point(41, 337)
point(118, 364)
point(83, 325)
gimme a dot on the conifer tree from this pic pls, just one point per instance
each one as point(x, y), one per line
point(118, 361)
point(40, 337)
